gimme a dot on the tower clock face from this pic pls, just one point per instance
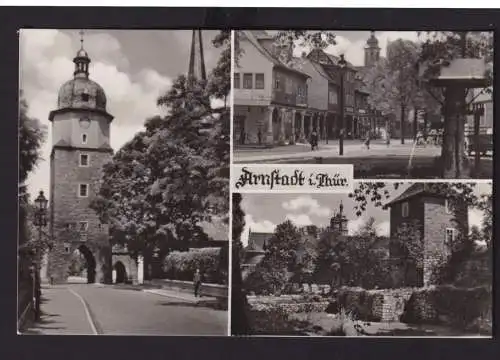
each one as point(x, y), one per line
point(84, 123)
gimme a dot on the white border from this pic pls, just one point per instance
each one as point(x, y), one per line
point(230, 234)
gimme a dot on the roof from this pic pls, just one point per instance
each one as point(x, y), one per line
point(417, 189)
point(321, 70)
point(254, 36)
point(257, 240)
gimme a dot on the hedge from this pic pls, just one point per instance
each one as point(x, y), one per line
point(181, 265)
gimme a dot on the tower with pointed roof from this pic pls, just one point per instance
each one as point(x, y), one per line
point(80, 147)
point(338, 222)
point(196, 59)
point(372, 50)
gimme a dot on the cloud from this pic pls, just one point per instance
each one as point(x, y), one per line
point(383, 228)
point(265, 226)
point(354, 50)
point(299, 219)
point(46, 62)
point(475, 218)
point(354, 225)
point(312, 206)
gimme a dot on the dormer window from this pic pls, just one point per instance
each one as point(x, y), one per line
point(85, 95)
point(405, 209)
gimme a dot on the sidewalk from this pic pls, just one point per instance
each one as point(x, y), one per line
point(63, 313)
point(171, 293)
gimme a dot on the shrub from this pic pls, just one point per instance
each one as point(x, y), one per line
point(448, 304)
point(181, 265)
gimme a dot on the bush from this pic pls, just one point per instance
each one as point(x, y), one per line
point(448, 304)
point(181, 265)
point(264, 282)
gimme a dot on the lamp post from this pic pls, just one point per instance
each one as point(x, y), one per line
point(342, 64)
point(40, 221)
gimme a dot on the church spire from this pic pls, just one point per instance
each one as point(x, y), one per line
point(196, 60)
point(81, 60)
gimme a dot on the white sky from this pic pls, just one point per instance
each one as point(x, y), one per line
point(133, 66)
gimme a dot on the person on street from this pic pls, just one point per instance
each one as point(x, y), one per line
point(314, 141)
point(259, 136)
point(367, 140)
point(387, 138)
point(197, 282)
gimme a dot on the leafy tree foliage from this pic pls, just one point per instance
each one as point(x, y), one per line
point(31, 137)
point(239, 305)
point(174, 175)
point(439, 48)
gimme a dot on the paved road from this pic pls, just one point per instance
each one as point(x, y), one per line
point(90, 309)
point(351, 149)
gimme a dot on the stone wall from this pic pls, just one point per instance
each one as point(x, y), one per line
point(68, 209)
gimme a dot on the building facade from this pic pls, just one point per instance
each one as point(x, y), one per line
point(439, 224)
point(80, 147)
point(269, 95)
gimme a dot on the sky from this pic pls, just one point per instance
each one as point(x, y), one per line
point(264, 211)
point(133, 66)
point(352, 43)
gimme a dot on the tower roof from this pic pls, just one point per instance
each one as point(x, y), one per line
point(196, 59)
point(372, 40)
point(81, 92)
point(416, 190)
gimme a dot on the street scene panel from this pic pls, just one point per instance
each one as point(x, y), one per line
point(394, 104)
point(124, 182)
point(388, 259)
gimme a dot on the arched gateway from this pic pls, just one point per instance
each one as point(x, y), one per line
point(80, 147)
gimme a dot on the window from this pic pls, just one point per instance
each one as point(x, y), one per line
point(259, 81)
point(99, 226)
point(333, 96)
point(450, 236)
point(405, 209)
point(277, 83)
point(84, 138)
point(236, 80)
point(85, 95)
point(247, 81)
point(70, 226)
point(83, 226)
point(67, 248)
point(83, 190)
point(84, 160)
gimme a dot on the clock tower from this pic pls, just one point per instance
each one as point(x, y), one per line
point(80, 147)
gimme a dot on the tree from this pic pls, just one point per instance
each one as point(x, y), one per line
point(31, 137)
point(239, 305)
point(391, 82)
point(165, 182)
point(439, 48)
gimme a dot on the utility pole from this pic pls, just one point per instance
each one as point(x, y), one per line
point(342, 64)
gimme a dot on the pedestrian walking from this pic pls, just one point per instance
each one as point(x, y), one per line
point(314, 141)
point(387, 138)
point(367, 140)
point(197, 282)
point(259, 136)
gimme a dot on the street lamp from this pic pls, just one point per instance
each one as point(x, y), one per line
point(342, 64)
point(40, 221)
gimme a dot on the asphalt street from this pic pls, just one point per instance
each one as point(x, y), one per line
point(82, 309)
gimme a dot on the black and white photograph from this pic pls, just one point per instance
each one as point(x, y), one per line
point(124, 148)
point(399, 259)
point(395, 104)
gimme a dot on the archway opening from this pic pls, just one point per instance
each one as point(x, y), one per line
point(89, 264)
point(121, 273)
